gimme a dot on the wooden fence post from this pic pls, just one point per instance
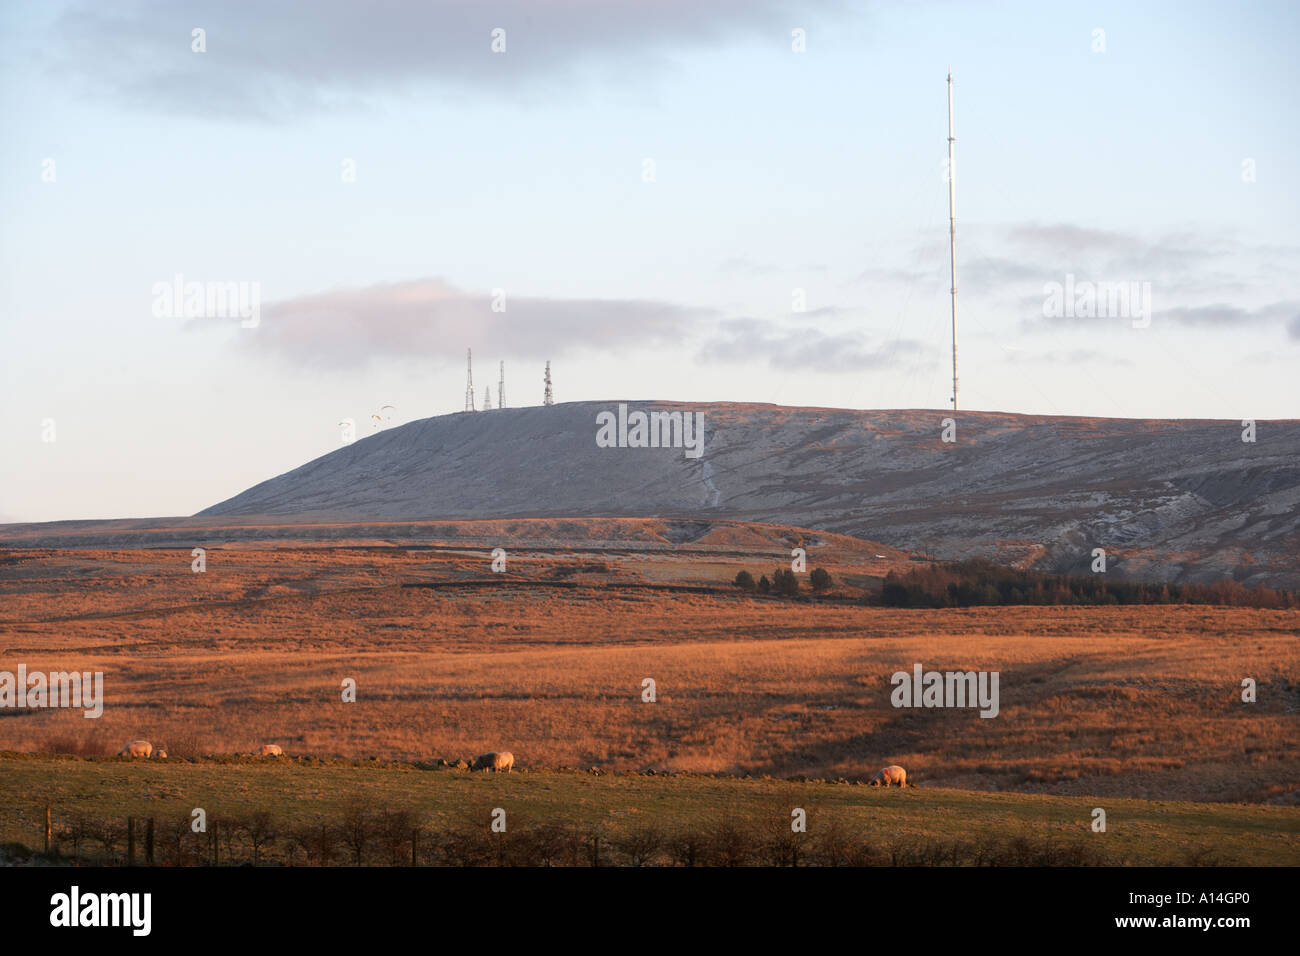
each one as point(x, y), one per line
point(47, 829)
point(216, 843)
point(415, 839)
point(148, 842)
point(130, 841)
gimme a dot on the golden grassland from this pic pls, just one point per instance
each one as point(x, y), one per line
point(548, 660)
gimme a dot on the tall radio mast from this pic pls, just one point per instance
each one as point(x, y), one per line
point(501, 387)
point(952, 240)
point(469, 380)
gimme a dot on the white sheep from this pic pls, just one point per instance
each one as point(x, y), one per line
point(888, 776)
point(496, 762)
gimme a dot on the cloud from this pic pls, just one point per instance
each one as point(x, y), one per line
point(830, 311)
point(994, 271)
point(1223, 315)
point(1031, 253)
point(749, 340)
point(284, 58)
point(1194, 277)
point(1183, 258)
point(1065, 239)
point(743, 265)
point(429, 319)
point(432, 320)
point(1067, 356)
point(901, 276)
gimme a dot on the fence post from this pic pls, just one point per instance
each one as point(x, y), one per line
point(148, 842)
point(47, 829)
point(415, 838)
point(130, 841)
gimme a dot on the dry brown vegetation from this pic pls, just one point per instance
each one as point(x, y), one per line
point(547, 660)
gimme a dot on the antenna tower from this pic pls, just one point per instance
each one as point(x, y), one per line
point(952, 240)
point(469, 380)
point(501, 387)
point(548, 398)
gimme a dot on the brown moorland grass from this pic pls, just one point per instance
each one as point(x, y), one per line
point(548, 660)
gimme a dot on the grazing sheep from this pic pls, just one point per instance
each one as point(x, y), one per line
point(269, 750)
point(161, 752)
point(888, 776)
point(496, 762)
point(136, 748)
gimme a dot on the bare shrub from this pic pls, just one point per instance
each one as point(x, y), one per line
point(190, 745)
point(835, 845)
point(467, 846)
point(261, 831)
point(1200, 856)
point(180, 845)
point(548, 844)
point(689, 848)
point(77, 829)
point(110, 834)
point(730, 845)
point(783, 847)
point(83, 745)
point(573, 846)
point(319, 841)
point(393, 834)
point(225, 835)
point(777, 843)
point(357, 829)
point(642, 846)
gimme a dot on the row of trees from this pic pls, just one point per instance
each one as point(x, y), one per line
point(973, 583)
point(783, 583)
point(976, 582)
point(390, 836)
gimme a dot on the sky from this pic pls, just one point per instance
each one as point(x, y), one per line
point(691, 200)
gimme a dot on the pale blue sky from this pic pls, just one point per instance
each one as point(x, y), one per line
point(775, 171)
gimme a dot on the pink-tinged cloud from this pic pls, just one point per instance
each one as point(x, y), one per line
point(428, 319)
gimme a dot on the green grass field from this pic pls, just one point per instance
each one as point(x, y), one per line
point(443, 801)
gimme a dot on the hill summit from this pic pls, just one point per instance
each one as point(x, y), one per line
point(1168, 500)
